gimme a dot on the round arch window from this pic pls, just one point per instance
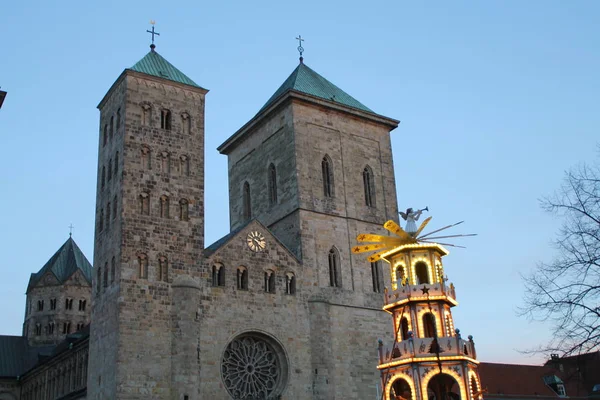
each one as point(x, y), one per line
point(254, 366)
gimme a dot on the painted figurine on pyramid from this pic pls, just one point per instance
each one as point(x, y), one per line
point(427, 358)
point(411, 217)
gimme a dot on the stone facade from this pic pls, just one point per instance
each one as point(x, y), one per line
point(55, 309)
point(62, 376)
point(258, 314)
point(154, 128)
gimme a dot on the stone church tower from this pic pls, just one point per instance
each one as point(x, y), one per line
point(277, 309)
point(149, 225)
point(58, 297)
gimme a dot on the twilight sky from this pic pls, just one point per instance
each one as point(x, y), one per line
point(496, 99)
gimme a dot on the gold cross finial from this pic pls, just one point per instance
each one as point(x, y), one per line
point(152, 32)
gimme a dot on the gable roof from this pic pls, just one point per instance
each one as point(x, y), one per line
point(213, 248)
point(64, 263)
point(305, 80)
point(156, 65)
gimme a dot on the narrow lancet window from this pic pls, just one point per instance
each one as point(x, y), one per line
point(369, 186)
point(143, 266)
point(327, 172)
point(272, 183)
point(184, 210)
point(247, 202)
point(164, 206)
point(335, 279)
point(163, 269)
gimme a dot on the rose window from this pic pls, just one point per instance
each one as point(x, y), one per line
point(253, 367)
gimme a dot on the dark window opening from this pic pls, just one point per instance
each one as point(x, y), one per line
point(421, 272)
point(165, 120)
point(429, 325)
point(242, 278)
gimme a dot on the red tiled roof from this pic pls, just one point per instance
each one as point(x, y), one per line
point(513, 380)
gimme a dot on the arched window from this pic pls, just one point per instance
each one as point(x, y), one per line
point(165, 162)
point(272, 180)
point(218, 275)
point(335, 278)
point(327, 172)
point(109, 176)
point(184, 208)
point(108, 210)
point(143, 266)
point(82, 304)
point(105, 136)
point(290, 283)
point(164, 206)
point(103, 177)
point(400, 277)
point(114, 210)
point(242, 278)
point(38, 329)
point(401, 390)
point(101, 220)
point(369, 186)
point(116, 169)
point(421, 272)
point(165, 119)
point(269, 281)
point(404, 328)
point(247, 202)
point(118, 118)
point(105, 281)
point(113, 268)
point(429, 325)
point(146, 157)
point(40, 305)
point(66, 327)
point(185, 123)
point(98, 280)
point(145, 204)
point(376, 276)
point(146, 115)
point(184, 165)
point(163, 269)
point(112, 124)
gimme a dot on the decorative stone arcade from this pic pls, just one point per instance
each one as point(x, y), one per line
point(429, 359)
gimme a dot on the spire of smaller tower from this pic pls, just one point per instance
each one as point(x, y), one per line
point(300, 48)
point(152, 32)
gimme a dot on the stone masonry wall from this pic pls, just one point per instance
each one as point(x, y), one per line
point(225, 312)
point(132, 329)
point(76, 288)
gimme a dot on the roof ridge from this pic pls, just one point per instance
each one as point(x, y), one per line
point(64, 262)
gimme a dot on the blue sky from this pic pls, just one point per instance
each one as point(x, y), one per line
point(496, 99)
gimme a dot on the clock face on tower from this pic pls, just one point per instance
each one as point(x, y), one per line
point(256, 241)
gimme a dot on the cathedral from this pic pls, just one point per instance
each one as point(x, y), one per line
point(279, 308)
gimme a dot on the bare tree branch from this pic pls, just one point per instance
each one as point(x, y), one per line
point(566, 292)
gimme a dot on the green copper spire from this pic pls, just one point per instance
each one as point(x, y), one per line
point(154, 64)
point(305, 80)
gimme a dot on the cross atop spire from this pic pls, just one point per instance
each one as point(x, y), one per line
point(300, 48)
point(71, 230)
point(152, 32)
